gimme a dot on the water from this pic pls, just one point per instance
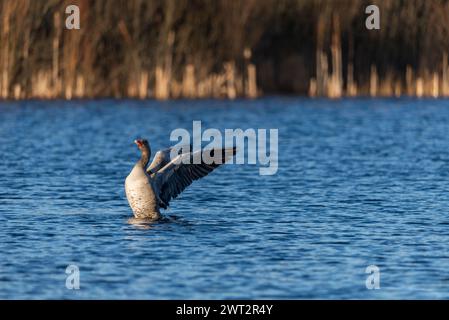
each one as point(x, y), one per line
point(360, 182)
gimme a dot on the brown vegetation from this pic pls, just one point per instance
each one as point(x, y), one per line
point(223, 48)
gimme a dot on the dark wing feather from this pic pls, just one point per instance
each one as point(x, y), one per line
point(172, 179)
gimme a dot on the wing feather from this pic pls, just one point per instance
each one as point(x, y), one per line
point(162, 158)
point(175, 176)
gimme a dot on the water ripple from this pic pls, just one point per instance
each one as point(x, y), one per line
point(360, 182)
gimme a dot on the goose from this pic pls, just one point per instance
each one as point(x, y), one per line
point(150, 188)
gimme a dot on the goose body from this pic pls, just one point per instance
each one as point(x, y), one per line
point(140, 194)
point(152, 188)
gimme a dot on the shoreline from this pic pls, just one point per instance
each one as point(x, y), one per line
point(238, 99)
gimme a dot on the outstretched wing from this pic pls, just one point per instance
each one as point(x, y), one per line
point(179, 173)
point(162, 158)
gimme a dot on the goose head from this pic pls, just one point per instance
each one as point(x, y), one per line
point(144, 147)
point(142, 144)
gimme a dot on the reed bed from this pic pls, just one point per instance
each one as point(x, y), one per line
point(166, 49)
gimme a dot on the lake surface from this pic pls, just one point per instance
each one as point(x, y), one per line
point(360, 182)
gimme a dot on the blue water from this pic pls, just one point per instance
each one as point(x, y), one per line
point(360, 182)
